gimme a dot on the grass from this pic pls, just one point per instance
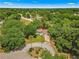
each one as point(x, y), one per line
point(37, 39)
point(44, 54)
point(47, 55)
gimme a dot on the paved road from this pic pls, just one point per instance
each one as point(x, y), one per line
point(23, 54)
point(44, 45)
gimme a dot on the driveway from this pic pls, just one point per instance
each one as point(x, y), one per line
point(23, 54)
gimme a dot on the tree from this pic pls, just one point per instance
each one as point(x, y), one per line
point(15, 16)
point(31, 28)
point(12, 32)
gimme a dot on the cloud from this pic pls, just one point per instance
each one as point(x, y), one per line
point(71, 3)
point(8, 3)
point(17, 5)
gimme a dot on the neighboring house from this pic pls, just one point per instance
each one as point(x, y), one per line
point(41, 31)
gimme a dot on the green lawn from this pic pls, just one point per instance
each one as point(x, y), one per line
point(47, 55)
point(37, 39)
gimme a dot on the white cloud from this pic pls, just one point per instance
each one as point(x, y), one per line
point(8, 3)
point(14, 5)
point(71, 3)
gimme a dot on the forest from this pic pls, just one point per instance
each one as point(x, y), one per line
point(61, 24)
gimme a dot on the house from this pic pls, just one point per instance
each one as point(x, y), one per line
point(44, 33)
point(41, 31)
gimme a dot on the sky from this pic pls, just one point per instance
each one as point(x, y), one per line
point(39, 3)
